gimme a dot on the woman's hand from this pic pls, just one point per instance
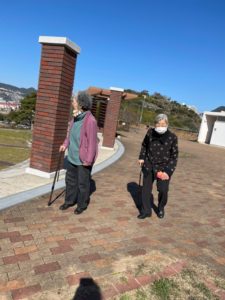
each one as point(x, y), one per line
point(141, 162)
point(62, 148)
point(164, 176)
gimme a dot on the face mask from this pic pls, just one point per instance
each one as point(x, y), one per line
point(161, 130)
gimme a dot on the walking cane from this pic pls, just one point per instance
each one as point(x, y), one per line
point(139, 194)
point(56, 178)
point(139, 184)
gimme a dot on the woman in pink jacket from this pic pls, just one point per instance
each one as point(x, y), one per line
point(82, 144)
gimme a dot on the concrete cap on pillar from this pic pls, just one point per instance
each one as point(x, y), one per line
point(117, 89)
point(55, 40)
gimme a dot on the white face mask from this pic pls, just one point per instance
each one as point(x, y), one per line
point(161, 130)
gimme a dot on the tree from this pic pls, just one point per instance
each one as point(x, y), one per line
point(25, 114)
point(145, 92)
point(2, 117)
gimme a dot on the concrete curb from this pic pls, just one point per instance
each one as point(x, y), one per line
point(45, 189)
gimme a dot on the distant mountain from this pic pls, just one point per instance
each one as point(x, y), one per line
point(13, 93)
point(218, 109)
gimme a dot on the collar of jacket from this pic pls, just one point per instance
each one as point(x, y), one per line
point(80, 116)
point(162, 138)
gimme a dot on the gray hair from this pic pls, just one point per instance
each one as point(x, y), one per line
point(84, 100)
point(161, 117)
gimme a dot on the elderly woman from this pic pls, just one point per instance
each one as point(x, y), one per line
point(158, 159)
point(82, 144)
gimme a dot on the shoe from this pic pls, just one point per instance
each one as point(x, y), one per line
point(161, 213)
point(65, 206)
point(143, 216)
point(79, 211)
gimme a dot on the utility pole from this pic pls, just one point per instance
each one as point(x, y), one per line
point(142, 108)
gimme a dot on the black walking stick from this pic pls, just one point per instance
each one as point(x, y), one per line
point(139, 184)
point(139, 194)
point(140, 187)
point(56, 178)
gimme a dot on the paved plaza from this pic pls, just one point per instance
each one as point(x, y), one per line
point(44, 251)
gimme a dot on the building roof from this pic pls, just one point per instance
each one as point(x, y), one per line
point(105, 93)
point(210, 113)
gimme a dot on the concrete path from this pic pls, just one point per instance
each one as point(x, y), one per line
point(44, 252)
point(18, 186)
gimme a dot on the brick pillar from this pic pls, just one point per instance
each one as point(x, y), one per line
point(58, 62)
point(111, 118)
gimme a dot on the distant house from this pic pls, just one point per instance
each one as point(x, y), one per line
point(212, 129)
point(8, 105)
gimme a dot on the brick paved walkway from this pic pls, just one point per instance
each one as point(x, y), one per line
point(44, 251)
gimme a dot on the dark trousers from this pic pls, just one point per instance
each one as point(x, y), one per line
point(147, 196)
point(78, 185)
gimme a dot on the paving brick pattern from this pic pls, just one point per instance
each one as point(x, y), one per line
point(44, 251)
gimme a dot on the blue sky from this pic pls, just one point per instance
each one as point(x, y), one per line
point(174, 47)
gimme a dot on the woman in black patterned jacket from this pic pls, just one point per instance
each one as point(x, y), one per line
point(158, 159)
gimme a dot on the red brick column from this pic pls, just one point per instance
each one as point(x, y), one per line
point(111, 118)
point(58, 61)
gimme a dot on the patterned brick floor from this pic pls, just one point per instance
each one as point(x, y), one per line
point(44, 252)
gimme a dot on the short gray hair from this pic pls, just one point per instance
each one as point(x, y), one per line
point(161, 117)
point(84, 100)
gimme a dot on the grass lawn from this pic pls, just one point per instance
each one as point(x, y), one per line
point(191, 283)
point(19, 150)
point(14, 137)
point(185, 286)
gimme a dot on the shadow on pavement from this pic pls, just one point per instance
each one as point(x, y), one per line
point(88, 290)
point(135, 191)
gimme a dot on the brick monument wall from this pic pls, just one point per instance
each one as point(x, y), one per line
point(57, 68)
point(111, 118)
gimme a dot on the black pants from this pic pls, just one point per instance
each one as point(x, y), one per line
point(78, 185)
point(147, 196)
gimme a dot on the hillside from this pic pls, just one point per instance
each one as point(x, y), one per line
point(12, 93)
point(142, 109)
point(180, 116)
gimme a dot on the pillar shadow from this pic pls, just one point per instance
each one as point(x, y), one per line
point(88, 290)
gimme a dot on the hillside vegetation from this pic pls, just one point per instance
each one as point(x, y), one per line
point(145, 107)
point(142, 109)
point(9, 87)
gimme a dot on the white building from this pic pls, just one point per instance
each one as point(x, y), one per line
point(212, 129)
